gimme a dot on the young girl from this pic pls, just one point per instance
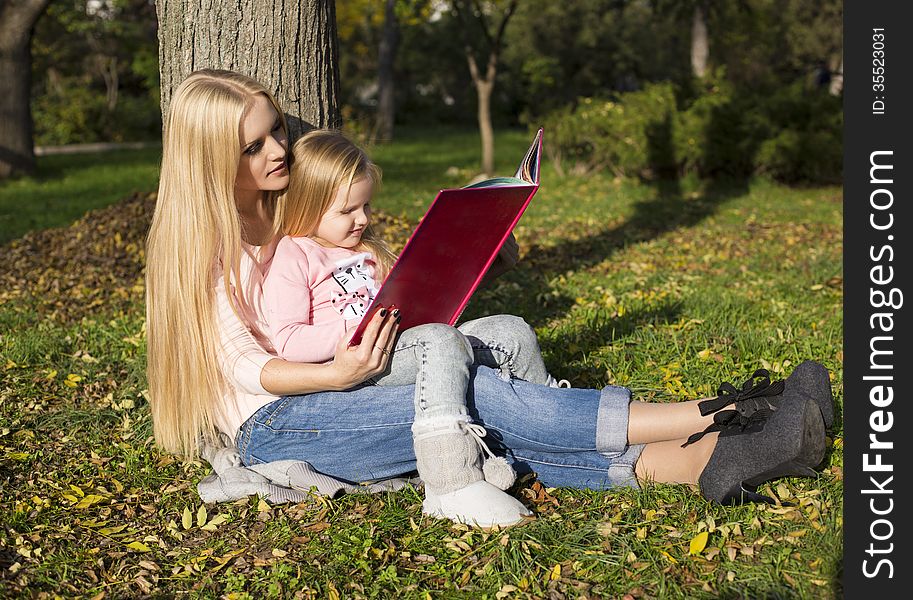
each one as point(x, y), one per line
point(323, 277)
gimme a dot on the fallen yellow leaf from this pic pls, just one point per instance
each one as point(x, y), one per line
point(138, 546)
point(698, 543)
point(89, 500)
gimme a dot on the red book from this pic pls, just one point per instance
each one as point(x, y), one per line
point(456, 241)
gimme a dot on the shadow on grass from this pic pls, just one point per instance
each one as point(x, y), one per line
point(56, 167)
point(668, 211)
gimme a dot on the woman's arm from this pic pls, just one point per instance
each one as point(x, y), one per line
point(251, 369)
point(351, 365)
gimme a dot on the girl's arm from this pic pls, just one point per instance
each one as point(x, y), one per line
point(287, 309)
point(506, 260)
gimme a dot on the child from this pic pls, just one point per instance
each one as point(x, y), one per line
point(323, 277)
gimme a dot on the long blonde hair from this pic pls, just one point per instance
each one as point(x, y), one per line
point(325, 160)
point(195, 236)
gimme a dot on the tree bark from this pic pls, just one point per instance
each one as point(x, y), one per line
point(17, 23)
point(386, 57)
point(287, 45)
point(700, 43)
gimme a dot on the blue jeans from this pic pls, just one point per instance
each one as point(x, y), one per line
point(568, 437)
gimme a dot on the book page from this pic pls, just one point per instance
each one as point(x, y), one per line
point(529, 166)
point(527, 173)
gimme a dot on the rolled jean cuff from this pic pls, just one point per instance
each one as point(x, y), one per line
point(612, 420)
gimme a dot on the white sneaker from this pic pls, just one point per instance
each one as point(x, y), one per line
point(480, 504)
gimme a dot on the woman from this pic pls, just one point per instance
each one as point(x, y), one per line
point(211, 369)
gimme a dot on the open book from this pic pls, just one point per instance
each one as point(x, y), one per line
point(453, 246)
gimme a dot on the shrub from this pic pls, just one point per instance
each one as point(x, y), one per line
point(74, 112)
point(792, 134)
point(625, 136)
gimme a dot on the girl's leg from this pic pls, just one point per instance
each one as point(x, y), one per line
point(448, 447)
point(509, 344)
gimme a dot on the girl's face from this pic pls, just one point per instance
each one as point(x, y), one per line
point(263, 148)
point(345, 221)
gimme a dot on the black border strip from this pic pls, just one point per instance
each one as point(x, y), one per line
point(877, 267)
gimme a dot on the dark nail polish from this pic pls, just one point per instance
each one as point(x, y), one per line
point(383, 312)
point(399, 318)
point(395, 312)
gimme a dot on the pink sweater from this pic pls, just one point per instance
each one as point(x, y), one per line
point(313, 295)
point(245, 349)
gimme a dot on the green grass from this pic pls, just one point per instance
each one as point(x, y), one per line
point(65, 186)
point(668, 288)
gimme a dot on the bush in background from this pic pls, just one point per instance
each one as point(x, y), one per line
point(792, 134)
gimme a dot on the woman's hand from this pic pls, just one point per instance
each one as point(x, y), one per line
point(354, 364)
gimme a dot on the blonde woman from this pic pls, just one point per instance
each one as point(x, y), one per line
point(211, 368)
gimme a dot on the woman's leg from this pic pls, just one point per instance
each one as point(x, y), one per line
point(570, 437)
point(662, 421)
point(357, 436)
point(668, 462)
point(763, 430)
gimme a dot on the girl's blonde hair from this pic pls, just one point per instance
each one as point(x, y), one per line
point(195, 236)
point(325, 160)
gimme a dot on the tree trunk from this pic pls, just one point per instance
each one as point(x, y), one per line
point(836, 85)
point(485, 85)
point(700, 43)
point(386, 57)
point(287, 45)
point(17, 23)
point(483, 91)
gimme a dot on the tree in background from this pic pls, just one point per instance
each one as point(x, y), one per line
point(476, 15)
point(698, 14)
point(700, 41)
point(289, 46)
point(95, 72)
point(386, 82)
point(17, 22)
point(370, 35)
point(559, 52)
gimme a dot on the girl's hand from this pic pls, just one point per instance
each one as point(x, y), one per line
point(354, 364)
point(507, 259)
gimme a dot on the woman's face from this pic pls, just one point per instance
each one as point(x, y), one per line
point(263, 148)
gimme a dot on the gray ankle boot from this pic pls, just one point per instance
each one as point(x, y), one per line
point(774, 430)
